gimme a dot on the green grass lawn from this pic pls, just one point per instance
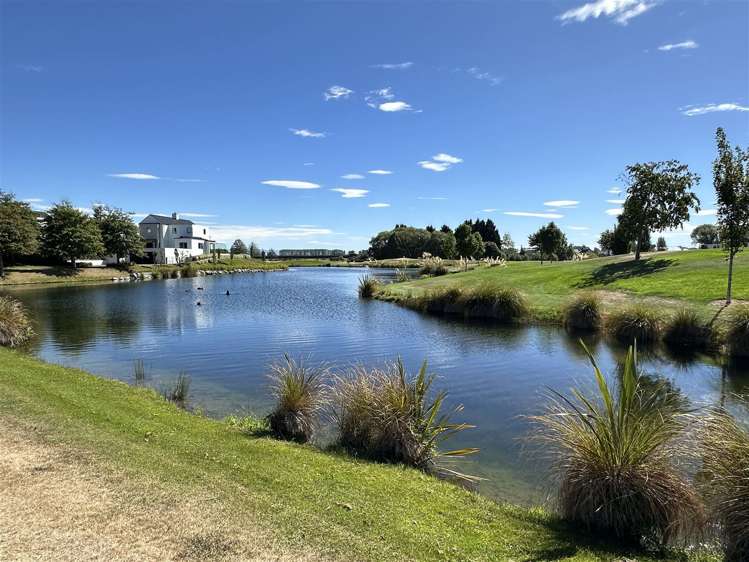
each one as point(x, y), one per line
point(343, 508)
point(696, 277)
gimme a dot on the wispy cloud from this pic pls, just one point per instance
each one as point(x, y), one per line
point(291, 184)
point(692, 110)
point(432, 198)
point(616, 201)
point(394, 66)
point(32, 200)
point(621, 11)
point(352, 177)
point(683, 45)
point(185, 180)
point(440, 162)
point(197, 215)
point(382, 99)
point(337, 92)
point(378, 205)
point(615, 190)
point(707, 212)
point(532, 214)
point(479, 74)
point(490, 210)
point(564, 203)
point(135, 176)
point(30, 67)
point(308, 164)
point(380, 172)
point(308, 134)
point(614, 212)
point(351, 192)
point(578, 227)
point(257, 232)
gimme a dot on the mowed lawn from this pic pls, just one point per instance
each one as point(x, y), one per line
point(696, 276)
point(308, 500)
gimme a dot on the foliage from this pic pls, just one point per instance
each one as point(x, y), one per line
point(389, 416)
point(686, 331)
point(614, 458)
point(487, 229)
point(433, 266)
point(614, 241)
point(548, 240)
point(491, 250)
point(179, 391)
point(368, 286)
point(705, 234)
point(468, 243)
point(583, 313)
point(19, 229)
point(659, 197)
point(15, 325)
point(505, 304)
point(238, 247)
point(401, 276)
point(632, 323)
point(737, 331)
point(70, 234)
point(724, 448)
point(299, 391)
point(409, 242)
point(119, 234)
point(661, 244)
point(731, 181)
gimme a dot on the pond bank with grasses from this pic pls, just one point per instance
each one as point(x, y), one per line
point(306, 500)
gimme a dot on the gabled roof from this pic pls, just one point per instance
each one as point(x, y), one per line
point(161, 219)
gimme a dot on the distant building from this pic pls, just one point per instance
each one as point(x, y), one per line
point(171, 240)
point(311, 253)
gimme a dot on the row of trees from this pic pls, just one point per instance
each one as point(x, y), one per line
point(64, 232)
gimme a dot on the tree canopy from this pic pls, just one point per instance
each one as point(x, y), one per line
point(119, 234)
point(468, 243)
point(238, 247)
point(19, 229)
point(549, 240)
point(705, 234)
point(70, 234)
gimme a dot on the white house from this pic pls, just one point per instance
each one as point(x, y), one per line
point(174, 240)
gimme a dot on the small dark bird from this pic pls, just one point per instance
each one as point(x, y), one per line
point(198, 303)
point(228, 293)
point(200, 288)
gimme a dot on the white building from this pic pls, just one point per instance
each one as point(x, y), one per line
point(174, 240)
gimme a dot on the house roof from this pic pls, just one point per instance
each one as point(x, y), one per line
point(161, 219)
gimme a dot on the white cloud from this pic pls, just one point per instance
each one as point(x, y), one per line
point(394, 66)
point(350, 192)
point(380, 172)
point(440, 162)
point(135, 176)
point(707, 213)
point(32, 200)
point(352, 177)
point(479, 74)
point(393, 106)
point(185, 180)
point(308, 164)
point(616, 201)
point(378, 205)
point(432, 198)
point(578, 227)
point(683, 45)
point(537, 215)
point(291, 184)
point(615, 190)
point(491, 210)
point(614, 212)
point(621, 11)
point(257, 232)
point(337, 92)
point(692, 110)
point(196, 215)
point(31, 67)
point(308, 134)
point(565, 203)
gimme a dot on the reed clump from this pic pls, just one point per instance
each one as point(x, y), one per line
point(685, 330)
point(505, 304)
point(433, 266)
point(634, 323)
point(737, 331)
point(15, 324)
point(368, 286)
point(583, 313)
point(179, 392)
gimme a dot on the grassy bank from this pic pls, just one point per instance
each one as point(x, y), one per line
point(339, 507)
point(667, 280)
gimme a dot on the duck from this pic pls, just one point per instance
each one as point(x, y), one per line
point(198, 303)
point(227, 292)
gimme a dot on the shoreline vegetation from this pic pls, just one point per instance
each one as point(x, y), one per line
point(328, 503)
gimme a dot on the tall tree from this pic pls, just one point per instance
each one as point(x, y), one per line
point(238, 247)
point(119, 234)
point(549, 240)
point(70, 234)
point(731, 181)
point(705, 234)
point(507, 242)
point(487, 229)
point(468, 243)
point(661, 244)
point(659, 197)
point(19, 229)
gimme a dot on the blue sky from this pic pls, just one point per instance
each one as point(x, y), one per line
point(274, 119)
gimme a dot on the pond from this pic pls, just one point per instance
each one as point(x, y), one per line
point(499, 374)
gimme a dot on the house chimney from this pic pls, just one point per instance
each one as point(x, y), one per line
point(175, 216)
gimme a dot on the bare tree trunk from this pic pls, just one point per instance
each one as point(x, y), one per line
point(637, 246)
point(2, 266)
point(730, 277)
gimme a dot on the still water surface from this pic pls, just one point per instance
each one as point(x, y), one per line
point(498, 373)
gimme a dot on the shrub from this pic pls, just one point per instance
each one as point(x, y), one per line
point(368, 286)
point(188, 270)
point(401, 276)
point(300, 398)
point(386, 415)
point(583, 313)
point(634, 323)
point(613, 458)
point(737, 331)
point(505, 304)
point(686, 331)
point(15, 325)
point(179, 392)
point(724, 447)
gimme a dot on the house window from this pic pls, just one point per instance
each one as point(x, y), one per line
point(204, 232)
point(149, 244)
point(200, 245)
point(183, 245)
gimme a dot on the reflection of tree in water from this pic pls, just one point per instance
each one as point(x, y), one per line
point(661, 389)
point(572, 343)
point(735, 381)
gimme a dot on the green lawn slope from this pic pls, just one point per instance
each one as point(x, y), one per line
point(340, 507)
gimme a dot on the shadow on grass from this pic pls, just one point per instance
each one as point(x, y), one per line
point(612, 272)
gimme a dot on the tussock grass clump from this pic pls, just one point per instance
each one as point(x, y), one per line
point(440, 301)
point(737, 331)
point(613, 458)
point(387, 415)
point(505, 304)
point(433, 266)
point(300, 398)
point(15, 325)
point(180, 391)
point(401, 276)
point(724, 447)
point(368, 286)
point(139, 372)
point(634, 323)
point(583, 313)
point(188, 270)
point(686, 331)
